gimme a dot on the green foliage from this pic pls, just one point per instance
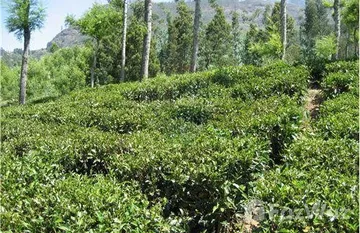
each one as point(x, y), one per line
point(316, 173)
point(316, 26)
point(316, 186)
point(53, 75)
point(276, 79)
point(325, 47)
point(9, 79)
point(341, 77)
point(54, 47)
point(74, 203)
point(342, 66)
point(177, 49)
point(264, 46)
point(191, 149)
point(25, 16)
point(337, 83)
point(98, 22)
point(339, 113)
point(350, 17)
point(270, 50)
point(339, 118)
point(135, 37)
point(102, 24)
point(216, 49)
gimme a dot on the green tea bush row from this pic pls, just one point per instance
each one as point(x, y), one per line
point(74, 203)
point(252, 82)
point(338, 83)
point(168, 88)
point(342, 66)
point(316, 188)
point(191, 149)
point(341, 124)
point(339, 114)
point(341, 77)
point(316, 172)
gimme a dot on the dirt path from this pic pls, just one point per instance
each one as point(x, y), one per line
point(312, 102)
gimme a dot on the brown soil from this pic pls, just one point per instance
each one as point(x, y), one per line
point(313, 101)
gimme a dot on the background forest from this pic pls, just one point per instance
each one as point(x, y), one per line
point(230, 33)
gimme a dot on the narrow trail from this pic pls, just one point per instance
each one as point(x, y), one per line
point(312, 102)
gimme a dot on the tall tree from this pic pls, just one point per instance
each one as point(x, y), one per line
point(351, 20)
point(24, 17)
point(336, 7)
point(195, 48)
point(98, 23)
point(217, 45)
point(134, 45)
point(182, 24)
point(283, 27)
point(178, 46)
point(236, 37)
point(316, 25)
point(170, 47)
point(123, 48)
point(337, 20)
point(147, 40)
point(265, 45)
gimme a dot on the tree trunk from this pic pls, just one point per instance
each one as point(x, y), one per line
point(337, 20)
point(356, 43)
point(24, 67)
point(147, 41)
point(123, 49)
point(196, 36)
point(92, 79)
point(283, 28)
point(347, 45)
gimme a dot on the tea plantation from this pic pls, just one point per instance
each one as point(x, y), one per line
point(186, 154)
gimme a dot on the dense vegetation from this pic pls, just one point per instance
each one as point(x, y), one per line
point(245, 145)
point(184, 154)
point(252, 37)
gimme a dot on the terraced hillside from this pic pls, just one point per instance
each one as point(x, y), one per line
point(185, 154)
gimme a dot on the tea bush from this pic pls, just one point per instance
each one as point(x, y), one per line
point(339, 114)
point(316, 188)
point(341, 77)
point(316, 172)
point(178, 154)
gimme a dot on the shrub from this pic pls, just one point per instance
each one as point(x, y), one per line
point(315, 172)
point(339, 117)
point(78, 204)
point(191, 149)
point(343, 67)
point(338, 83)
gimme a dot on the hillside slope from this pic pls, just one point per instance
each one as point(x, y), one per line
point(181, 154)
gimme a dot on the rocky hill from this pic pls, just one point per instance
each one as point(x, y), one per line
point(67, 38)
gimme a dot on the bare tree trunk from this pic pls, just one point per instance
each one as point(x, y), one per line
point(92, 79)
point(147, 41)
point(196, 36)
point(123, 49)
point(337, 20)
point(24, 67)
point(356, 44)
point(283, 27)
point(347, 45)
